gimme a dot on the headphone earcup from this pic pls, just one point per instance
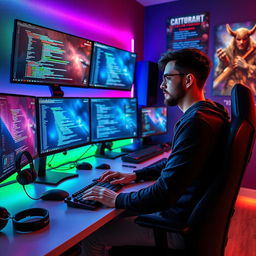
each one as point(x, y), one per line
point(4, 216)
point(26, 176)
point(33, 173)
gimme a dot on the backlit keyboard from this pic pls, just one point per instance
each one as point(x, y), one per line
point(143, 154)
point(76, 200)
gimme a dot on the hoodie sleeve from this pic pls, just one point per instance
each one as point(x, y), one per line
point(194, 141)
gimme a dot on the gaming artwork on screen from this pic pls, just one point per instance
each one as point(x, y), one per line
point(112, 68)
point(153, 121)
point(113, 118)
point(46, 56)
point(17, 130)
point(63, 124)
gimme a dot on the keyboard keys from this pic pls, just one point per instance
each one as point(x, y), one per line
point(77, 201)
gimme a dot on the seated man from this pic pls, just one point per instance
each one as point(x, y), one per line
point(183, 177)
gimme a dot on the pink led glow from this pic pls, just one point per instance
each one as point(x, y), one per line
point(85, 22)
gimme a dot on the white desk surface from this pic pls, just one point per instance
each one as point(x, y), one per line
point(67, 225)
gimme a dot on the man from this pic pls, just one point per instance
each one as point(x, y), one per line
point(184, 176)
point(237, 63)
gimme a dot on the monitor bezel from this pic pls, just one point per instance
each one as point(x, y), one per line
point(44, 154)
point(116, 139)
point(44, 83)
point(113, 87)
point(140, 121)
point(11, 172)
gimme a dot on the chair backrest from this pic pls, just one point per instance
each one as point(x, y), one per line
point(210, 219)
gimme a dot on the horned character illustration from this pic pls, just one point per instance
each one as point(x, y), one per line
point(237, 62)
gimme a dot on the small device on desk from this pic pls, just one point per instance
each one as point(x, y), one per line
point(54, 195)
point(103, 166)
point(84, 166)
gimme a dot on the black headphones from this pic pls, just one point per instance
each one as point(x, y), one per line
point(28, 175)
point(25, 221)
point(30, 219)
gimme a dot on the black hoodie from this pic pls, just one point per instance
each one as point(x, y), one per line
point(196, 151)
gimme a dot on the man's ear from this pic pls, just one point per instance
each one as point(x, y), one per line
point(190, 79)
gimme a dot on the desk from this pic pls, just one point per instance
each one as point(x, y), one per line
point(67, 225)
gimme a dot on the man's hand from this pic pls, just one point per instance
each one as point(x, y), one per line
point(240, 62)
point(102, 195)
point(117, 177)
point(221, 54)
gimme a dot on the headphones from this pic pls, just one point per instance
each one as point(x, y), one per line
point(25, 221)
point(28, 175)
point(30, 219)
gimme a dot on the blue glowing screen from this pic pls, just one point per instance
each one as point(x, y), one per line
point(153, 121)
point(113, 118)
point(112, 68)
point(63, 123)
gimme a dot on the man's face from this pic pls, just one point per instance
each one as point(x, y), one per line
point(242, 41)
point(172, 85)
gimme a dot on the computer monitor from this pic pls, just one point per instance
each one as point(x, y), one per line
point(153, 121)
point(112, 68)
point(63, 124)
point(113, 119)
point(17, 130)
point(46, 56)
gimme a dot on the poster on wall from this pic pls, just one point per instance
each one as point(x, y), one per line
point(190, 31)
point(234, 57)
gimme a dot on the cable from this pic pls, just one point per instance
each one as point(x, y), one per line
point(29, 195)
point(72, 163)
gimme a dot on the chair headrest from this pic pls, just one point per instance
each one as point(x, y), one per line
point(242, 104)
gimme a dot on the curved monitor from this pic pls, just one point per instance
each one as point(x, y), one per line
point(112, 68)
point(17, 130)
point(153, 121)
point(113, 119)
point(46, 56)
point(63, 123)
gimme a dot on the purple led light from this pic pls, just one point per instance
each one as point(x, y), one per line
point(82, 22)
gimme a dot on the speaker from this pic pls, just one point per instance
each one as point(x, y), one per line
point(28, 175)
point(27, 220)
point(146, 83)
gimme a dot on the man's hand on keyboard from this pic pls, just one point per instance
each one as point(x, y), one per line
point(117, 177)
point(102, 195)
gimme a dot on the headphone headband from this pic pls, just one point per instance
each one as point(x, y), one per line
point(23, 222)
point(19, 158)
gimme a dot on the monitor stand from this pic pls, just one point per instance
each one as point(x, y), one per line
point(56, 91)
point(50, 177)
point(137, 145)
point(100, 152)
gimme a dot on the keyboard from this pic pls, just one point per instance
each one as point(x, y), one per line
point(76, 200)
point(143, 154)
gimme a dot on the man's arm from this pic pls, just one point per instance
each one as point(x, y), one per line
point(194, 144)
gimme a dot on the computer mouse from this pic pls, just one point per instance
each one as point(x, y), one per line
point(84, 166)
point(54, 195)
point(103, 166)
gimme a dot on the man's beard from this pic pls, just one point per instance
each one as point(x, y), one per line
point(174, 100)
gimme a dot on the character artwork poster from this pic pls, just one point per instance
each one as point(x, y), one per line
point(234, 57)
point(191, 31)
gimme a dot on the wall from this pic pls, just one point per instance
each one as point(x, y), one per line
point(105, 21)
point(220, 12)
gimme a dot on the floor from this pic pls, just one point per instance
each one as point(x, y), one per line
point(242, 232)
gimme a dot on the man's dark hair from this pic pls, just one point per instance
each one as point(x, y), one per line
point(189, 61)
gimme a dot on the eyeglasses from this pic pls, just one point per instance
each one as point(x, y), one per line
point(167, 77)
